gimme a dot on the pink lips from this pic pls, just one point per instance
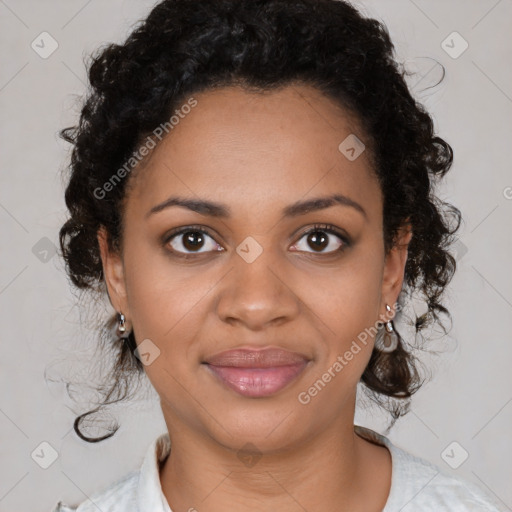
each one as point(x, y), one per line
point(257, 373)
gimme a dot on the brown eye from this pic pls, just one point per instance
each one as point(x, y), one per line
point(322, 240)
point(190, 241)
point(193, 240)
point(318, 240)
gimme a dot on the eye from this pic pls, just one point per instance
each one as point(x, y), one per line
point(321, 237)
point(191, 240)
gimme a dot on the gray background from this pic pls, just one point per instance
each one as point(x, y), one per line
point(46, 334)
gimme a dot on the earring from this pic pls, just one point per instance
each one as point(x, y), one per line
point(121, 328)
point(387, 340)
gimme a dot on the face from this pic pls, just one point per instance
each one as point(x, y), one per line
point(262, 267)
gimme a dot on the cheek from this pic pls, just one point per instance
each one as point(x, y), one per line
point(347, 305)
point(348, 297)
point(164, 298)
point(168, 309)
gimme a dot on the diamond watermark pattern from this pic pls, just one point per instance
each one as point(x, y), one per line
point(460, 250)
point(351, 147)
point(249, 249)
point(249, 455)
point(147, 352)
point(454, 455)
point(44, 250)
point(44, 455)
point(454, 45)
point(44, 45)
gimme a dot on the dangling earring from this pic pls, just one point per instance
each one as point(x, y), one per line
point(121, 328)
point(387, 340)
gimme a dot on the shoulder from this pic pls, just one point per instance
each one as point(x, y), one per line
point(117, 497)
point(425, 486)
point(417, 484)
point(137, 490)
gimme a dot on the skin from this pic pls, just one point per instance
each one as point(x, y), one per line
point(258, 154)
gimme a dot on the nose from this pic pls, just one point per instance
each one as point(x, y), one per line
point(257, 294)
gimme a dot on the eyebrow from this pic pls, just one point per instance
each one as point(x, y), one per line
point(219, 210)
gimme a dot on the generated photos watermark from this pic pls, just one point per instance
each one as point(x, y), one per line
point(304, 397)
point(158, 133)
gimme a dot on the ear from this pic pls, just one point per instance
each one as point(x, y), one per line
point(113, 270)
point(394, 267)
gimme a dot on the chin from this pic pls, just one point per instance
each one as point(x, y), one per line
point(270, 427)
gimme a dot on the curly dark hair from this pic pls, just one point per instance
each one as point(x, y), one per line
point(188, 46)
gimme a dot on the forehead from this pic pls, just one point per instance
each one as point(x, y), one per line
point(268, 148)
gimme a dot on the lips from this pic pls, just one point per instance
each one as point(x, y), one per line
point(256, 373)
point(262, 358)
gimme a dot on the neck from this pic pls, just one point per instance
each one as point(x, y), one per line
point(201, 474)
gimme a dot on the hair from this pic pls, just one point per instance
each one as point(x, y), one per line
point(184, 47)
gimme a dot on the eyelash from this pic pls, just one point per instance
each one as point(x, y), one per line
point(325, 228)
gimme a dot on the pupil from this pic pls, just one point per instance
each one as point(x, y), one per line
point(319, 238)
point(193, 240)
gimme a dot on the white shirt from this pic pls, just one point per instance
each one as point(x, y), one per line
point(416, 485)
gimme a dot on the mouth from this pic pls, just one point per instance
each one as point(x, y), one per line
point(257, 373)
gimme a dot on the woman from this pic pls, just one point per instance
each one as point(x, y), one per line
point(252, 182)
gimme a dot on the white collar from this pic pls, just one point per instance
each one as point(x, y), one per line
point(150, 496)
